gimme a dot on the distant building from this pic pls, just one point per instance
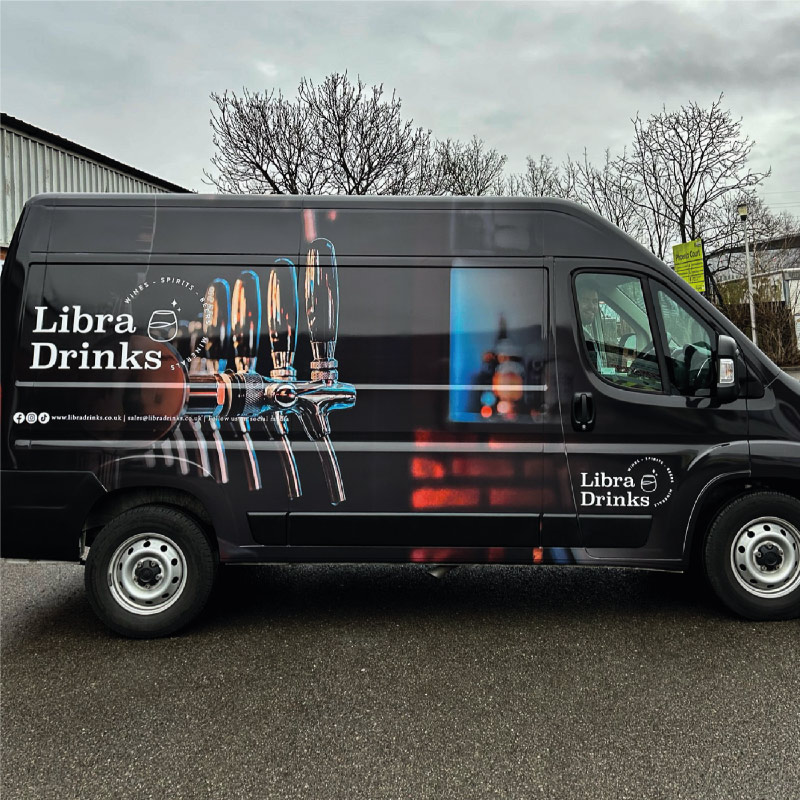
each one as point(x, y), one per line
point(774, 262)
point(35, 161)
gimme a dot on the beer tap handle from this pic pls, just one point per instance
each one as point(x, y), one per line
point(282, 317)
point(282, 304)
point(217, 325)
point(322, 308)
point(246, 320)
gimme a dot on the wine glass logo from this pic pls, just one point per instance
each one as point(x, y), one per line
point(163, 326)
point(649, 483)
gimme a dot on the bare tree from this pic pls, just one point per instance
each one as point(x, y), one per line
point(338, 137)
point(541, 178)
point(688, 161)
point(615, 192)
point(265, 144)
point(364, 144)
point(468, 169)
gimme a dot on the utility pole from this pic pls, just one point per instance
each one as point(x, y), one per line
point(743, 217)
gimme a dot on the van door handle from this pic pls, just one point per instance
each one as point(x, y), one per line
point(582, 411)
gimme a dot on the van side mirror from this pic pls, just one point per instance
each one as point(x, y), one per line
point(727, 387)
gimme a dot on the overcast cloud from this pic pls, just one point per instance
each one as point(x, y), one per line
point(132, 79)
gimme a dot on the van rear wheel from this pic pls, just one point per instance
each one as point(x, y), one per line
point(752, 556)
point(150, 571)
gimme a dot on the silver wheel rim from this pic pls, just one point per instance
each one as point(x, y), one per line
point(765, 557)
point(147, 573)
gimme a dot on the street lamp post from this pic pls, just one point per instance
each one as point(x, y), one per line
point(743, 217)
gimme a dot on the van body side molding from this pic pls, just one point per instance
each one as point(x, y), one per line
point(615, 530)
point(429, 530)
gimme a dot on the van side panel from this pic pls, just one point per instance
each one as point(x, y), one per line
point(46, 511)
point(347, 379)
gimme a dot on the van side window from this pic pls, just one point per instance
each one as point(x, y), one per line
point(617, 330)
point(688, 346)
point(498, 346)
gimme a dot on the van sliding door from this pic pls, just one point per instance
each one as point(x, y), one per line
point(441, 455)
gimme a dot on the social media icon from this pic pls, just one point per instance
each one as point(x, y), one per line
point(30, 418)
point(19, 418)
point(44, 417)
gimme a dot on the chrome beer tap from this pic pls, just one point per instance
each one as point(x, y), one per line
point(282, 323)
point(217, 331)
point(245, 335)
point(323, 393)
point(249, 394)
point(215, 391)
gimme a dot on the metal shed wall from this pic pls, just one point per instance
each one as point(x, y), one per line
point(31, 166)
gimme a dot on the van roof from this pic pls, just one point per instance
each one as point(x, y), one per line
point(359, 225)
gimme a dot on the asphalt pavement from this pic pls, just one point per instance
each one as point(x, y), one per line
point(384, 682)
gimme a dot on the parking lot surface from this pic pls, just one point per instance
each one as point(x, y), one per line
point(384, 682)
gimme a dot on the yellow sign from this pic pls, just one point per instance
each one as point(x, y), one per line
point(688, 260)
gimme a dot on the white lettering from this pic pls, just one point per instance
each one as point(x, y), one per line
point(84, 323)
point(79, 321)
point(602, 480)
point(124, 324)
point(66, 355)
point(37, 350)
point(128, 359)
point(39, 327)
point(99, 355)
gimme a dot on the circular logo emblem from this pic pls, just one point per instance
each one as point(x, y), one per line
point(19, 418)
point(654, 478)
point(30, 417)
point(44, 418)
point(168, 308)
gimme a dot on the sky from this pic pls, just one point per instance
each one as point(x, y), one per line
point(132, 79)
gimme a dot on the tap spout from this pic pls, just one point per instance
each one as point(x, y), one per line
point(280, 429)
point(315, 401)
point(331, 470)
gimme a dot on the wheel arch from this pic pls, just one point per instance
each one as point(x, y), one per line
point(720, 493)
point(126, 498)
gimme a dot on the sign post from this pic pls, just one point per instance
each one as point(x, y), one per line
point(690, 263)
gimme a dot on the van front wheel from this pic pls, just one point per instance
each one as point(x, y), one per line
point(752, 556)
point(150, 571)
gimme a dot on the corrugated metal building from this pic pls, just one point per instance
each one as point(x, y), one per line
point(35, 161)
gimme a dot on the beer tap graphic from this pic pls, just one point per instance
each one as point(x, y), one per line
point(245, 336)
point(217, 330)
point(282, 323)
point(248, 394)
point(323, 393)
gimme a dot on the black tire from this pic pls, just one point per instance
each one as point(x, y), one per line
point(752, 556)
point(150, 571)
